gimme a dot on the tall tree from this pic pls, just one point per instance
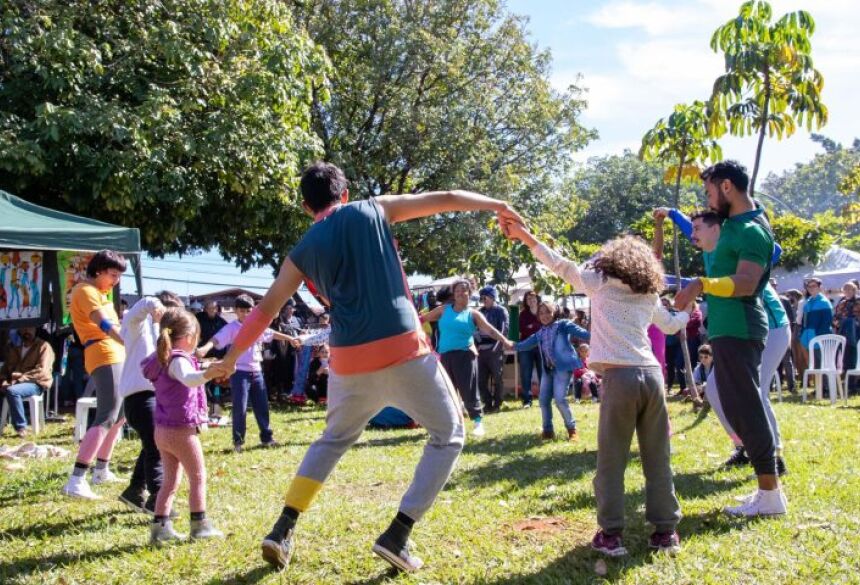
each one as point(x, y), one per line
point(682, 142)
point(813, 186)
point(189, 119)
point(770, 84)
point(615, 191)
point(434, 94)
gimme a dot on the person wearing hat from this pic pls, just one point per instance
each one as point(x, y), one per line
point(491, 354)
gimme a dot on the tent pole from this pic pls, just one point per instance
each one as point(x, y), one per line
point(138, 276)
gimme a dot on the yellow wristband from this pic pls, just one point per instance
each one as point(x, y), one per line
point(719, 287)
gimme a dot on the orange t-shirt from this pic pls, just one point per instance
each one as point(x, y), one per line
point(99, 348)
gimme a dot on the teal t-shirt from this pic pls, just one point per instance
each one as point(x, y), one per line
point(776, 317)
point(748, 237)
point(456, 330)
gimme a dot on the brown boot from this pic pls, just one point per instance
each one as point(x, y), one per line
point(572, 435)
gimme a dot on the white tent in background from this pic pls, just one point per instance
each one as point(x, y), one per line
point(836, 267)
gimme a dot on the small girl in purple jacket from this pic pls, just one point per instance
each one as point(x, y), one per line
point(180, 412)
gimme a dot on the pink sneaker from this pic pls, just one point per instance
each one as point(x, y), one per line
point(668, 542)
point(610, 545)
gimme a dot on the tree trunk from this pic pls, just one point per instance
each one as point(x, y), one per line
point(682, 334)
point(761, 130)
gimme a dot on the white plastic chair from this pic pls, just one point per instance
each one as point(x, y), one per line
point(832, 348)
point(778, 382)
point(855, 371)
point(37, 413)
point(82, 410)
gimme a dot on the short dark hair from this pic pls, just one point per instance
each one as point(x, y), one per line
point(444, 295)
point(321, 184)
point(728, 169)
point(708, 217)
point(244, 302)
point(705, 349)
point(170, 299)
point(105, 260)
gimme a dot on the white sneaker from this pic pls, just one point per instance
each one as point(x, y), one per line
point(479, 430)
point(77, 487)
point(762, 503)
point(105, 475)
point(747, 498)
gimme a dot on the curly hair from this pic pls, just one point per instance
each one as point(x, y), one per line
point(630, 260)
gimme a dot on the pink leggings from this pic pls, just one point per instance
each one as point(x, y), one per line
point(99, 443)
point(180, 449)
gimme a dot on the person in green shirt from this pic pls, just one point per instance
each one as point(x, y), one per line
point(738, 325)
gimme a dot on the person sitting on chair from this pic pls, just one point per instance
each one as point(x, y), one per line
point(26, 372)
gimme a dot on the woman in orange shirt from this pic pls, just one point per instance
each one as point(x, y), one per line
point(96, 323)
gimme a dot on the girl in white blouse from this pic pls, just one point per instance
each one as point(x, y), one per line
point(623, 281)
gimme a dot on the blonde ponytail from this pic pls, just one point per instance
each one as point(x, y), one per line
point(164, 347)
point(176, 323)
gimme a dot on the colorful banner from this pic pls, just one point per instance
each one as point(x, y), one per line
point(72, 267)
point(21, 277)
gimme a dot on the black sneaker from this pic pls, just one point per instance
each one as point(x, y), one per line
point(134, 498)
point(738, 458)
point(398, 555)
point(780, 466)
point(278, 551)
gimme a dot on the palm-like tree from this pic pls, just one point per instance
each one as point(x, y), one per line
point(770, 85)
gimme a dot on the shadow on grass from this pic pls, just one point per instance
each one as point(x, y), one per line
point(89, 523)
point(385, 576)
point(254, 575)
point(578, 564)
point(20, 567)
point(517, 463)
point(700, 418)
point(702, 484)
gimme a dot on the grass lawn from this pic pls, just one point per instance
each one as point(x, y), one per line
point(517, 510)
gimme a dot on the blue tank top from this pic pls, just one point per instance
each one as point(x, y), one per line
point(456, 330)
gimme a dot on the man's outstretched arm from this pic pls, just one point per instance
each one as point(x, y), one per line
point(405, 207)
point(287, 283)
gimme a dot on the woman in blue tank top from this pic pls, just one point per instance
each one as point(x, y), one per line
point(457, 325)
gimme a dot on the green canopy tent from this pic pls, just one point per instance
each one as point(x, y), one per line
point(25, 226)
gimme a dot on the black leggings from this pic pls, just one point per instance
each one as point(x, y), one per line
point(462, 368)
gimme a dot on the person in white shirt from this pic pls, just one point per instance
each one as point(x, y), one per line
point(139, 331)
point(622, 282)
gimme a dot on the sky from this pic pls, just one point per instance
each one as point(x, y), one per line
point(637, 59)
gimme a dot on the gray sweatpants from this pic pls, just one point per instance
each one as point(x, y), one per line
point(633, 399)
point(421, 389)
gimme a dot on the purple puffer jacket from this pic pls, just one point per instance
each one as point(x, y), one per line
point(176, 405)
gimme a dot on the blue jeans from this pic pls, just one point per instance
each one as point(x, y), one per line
point(304, 356)
point(15, 395)
point(529, 361)
point(247, 386)
point(553, 387)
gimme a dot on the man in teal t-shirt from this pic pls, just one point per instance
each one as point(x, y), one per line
point(738, 325)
